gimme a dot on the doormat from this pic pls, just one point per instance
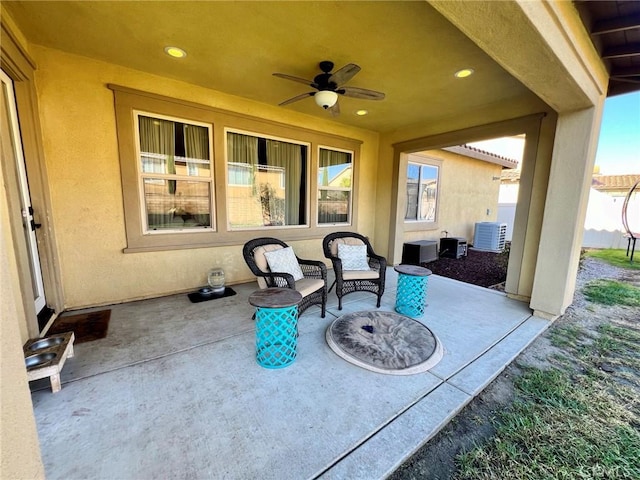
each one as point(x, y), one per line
point(384, 342)
point(197, 297)
point(87, 327)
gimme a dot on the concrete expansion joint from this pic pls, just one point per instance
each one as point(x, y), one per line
point(379, 430)
point(153, 359)
point(485, 351)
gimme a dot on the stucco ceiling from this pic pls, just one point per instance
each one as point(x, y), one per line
point(405, 49)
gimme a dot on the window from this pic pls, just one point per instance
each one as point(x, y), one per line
point(335, 176)
point(175, 174)
point(176, 196)
point(422, 192)
point(266, 182)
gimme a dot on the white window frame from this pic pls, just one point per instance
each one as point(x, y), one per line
point(169, 176)
point(307, 199)
point(126, 100)
point(341, 189)
point(423, 164)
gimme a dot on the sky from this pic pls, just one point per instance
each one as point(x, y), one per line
point(619, 143)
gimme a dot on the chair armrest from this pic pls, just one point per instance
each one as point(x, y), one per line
point(313, 268)
point(378, 262)
point(271, 279)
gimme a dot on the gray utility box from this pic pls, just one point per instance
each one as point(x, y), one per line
point(421, 251)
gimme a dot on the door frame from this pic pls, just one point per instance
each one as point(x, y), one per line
point(18, 65)
point(21, 181)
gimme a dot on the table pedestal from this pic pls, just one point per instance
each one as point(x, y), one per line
point(276, 326)
point(411, 294)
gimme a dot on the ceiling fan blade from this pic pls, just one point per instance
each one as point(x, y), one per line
point(296, 98)
point(309, 83)
point(335, 110)
point(363, 93)
point(345, 74)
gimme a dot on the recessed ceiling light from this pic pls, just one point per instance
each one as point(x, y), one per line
point(465, 72)
point(175, 52)
point(361, 113)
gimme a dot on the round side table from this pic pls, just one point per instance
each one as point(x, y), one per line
point(276, 326)
point(412, 290)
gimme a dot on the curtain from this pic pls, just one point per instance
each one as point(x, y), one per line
point(243, 149)
point(289, 157)
point(243, 205)
point(157, 136)
point(196, 151)
point(330, 158)
point(196, 143)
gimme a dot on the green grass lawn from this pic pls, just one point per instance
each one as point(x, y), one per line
point(580, 418)
point(616, 257)
point(611, 292)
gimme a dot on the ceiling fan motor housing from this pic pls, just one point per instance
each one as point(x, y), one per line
point(323, 83)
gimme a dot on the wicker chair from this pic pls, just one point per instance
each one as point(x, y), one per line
point(349, 281)
point(313, 286)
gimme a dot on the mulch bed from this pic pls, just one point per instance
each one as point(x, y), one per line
point(486, 269)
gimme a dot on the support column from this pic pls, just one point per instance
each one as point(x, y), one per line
point(532, 195)
point(565, 209)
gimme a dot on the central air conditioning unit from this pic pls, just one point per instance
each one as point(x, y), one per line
point(490, 236)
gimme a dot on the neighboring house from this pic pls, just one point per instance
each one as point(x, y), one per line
point(453, 188)
point(616, 186)
point(603, 221)
point(128, 174)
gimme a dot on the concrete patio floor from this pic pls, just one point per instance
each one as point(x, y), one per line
point(174, 391)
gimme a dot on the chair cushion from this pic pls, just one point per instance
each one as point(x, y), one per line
point(360, 275)
point(284, 260)
point(354, 257)
point(261, 260)
point(344, 241)
point(307, 286)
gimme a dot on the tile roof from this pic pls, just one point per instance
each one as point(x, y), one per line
point(484, 155)
point(614, 182)
point(510, 176)
point(603, 183)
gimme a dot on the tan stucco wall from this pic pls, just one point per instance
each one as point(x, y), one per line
point(449, 131)
point(563, 228)
point(467, 190)
point(81, 152)
point(19, 447)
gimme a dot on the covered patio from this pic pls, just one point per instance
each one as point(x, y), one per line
point(174, 390)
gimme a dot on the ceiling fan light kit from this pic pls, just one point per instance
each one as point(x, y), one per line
point(330, 85)
point(326, 98)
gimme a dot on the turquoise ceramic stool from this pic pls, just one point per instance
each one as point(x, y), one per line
point(276, 326)
point(412, 290)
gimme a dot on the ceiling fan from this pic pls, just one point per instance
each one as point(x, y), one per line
point(330, 85)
